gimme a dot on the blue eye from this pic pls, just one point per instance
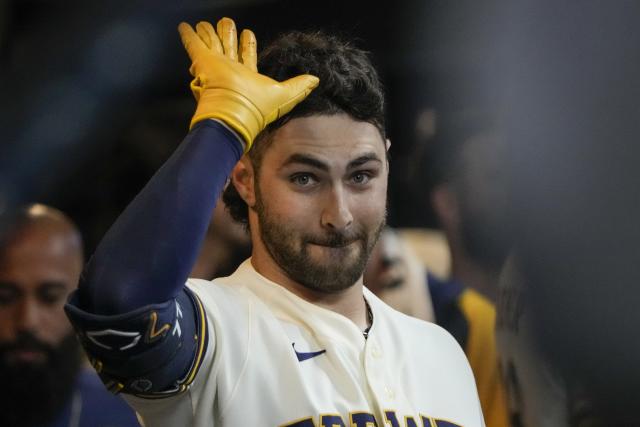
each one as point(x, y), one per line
point(303, 179)
point(360, 178)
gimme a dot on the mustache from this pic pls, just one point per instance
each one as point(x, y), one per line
point(25, 341)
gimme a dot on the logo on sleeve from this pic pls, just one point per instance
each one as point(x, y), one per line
point(302, 356)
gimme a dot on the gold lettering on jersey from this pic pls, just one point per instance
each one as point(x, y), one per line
point(363, 419)
point(391, 420)
point(443, 423)
point(410, 421)
point(366, 419)
point(302, 422)
point(331, 420)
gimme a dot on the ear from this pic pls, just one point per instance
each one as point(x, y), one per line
point(243, 178)
point(387, 144)
point(445, 205)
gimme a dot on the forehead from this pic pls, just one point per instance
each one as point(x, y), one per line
point(335, 139)
point(37, 256)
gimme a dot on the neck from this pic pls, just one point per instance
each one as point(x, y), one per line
point(348, 302)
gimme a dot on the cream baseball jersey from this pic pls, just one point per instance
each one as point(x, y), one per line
point(274, 359)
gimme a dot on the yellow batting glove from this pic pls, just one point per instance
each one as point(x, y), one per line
point(227, 85)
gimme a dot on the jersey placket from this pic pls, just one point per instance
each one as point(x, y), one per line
point(382, 388)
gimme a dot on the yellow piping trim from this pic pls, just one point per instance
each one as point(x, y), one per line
point(203, 326)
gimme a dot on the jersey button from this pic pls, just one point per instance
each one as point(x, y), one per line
point(375, 352)
point(390, 393)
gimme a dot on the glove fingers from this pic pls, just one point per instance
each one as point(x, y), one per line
point(228, 37)
point(297, 89)
point(209, 37)
point(191, 41)
point(248, 50)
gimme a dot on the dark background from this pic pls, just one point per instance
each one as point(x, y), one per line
point(95, 94)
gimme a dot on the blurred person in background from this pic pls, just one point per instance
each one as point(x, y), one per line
point(537, 395)
point(539, 392)
point(41, 367)
point(396, 274)
point(468, 195)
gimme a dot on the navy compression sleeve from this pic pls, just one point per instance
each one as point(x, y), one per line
point(146, 256)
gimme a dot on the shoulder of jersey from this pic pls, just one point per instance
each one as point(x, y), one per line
point(416, 326)
point(224, 286)
point(414, 330)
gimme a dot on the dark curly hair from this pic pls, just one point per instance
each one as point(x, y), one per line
point(348, 84)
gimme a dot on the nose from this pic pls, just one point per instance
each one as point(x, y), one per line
point(336, 214)
point(27, 316)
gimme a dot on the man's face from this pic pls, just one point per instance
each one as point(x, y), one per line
point(39, 356)
point(37, 272)
point(321, 199)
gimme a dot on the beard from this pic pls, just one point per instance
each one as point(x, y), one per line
point(34, 393)
point(345, 261)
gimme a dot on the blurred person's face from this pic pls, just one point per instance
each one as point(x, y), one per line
point(396, 275)
point(386, 269)
point(482, 200)
point(319, 201)
point(37, 273)
point(39, 357)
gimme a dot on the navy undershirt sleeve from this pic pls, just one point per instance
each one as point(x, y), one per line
point(146, 256)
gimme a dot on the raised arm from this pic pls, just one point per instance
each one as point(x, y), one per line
point(131, 298)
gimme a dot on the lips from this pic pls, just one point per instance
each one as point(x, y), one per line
point(337, 241)
point(26, 350)
point(24, 355)
point(334, 246)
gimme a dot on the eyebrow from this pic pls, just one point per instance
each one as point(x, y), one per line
point(369, 157)
point(306, 160)
point(319, 164)
point(50, 285)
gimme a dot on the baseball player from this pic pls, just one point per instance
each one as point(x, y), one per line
point(292, 338)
